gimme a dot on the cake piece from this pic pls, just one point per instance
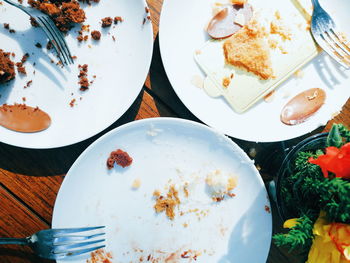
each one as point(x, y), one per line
point(7, 67)
point(248, 49)
point(64, 13)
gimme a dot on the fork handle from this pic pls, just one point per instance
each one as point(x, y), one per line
point(13, 241)
point(315, 3)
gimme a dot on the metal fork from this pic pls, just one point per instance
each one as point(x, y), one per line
point(52, 32)
point(325, 34)
point(60, 243)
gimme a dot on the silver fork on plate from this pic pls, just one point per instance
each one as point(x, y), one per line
point(61, 243)
point(325, 34)
point(54, 35)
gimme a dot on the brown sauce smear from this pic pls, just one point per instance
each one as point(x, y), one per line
point(223, 25)
point(23, 118)
point(302, 106)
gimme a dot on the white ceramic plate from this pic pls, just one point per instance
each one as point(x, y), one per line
point(181, 35)
point(166, 149)
point(120, 67)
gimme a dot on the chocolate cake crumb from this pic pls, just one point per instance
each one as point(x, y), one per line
point(81, 36)
point(49, 45)
point(38, 45)
point(25, 57)
point(96, 35)
point(24, 99)
point(74, 57)
point(64, 13)
point(71, 103)
point(7, 27)
point(33, 22)
point(20, 68)
point(113, 37)
point(28, 84)
point(146, 9)
point(118, 19)
point(7, 68)
point(83, 81)
point(107, 21)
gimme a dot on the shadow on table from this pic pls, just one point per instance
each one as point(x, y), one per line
point(16, 255)
point(57, 161)
point(161, 89)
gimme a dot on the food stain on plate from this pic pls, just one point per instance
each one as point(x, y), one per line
point(229, 20)
point(303, 106)
point(23, 118)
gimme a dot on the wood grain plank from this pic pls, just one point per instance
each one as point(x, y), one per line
point(17, 221)
point(37, 192)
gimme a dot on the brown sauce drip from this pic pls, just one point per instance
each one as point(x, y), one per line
point(23, 118)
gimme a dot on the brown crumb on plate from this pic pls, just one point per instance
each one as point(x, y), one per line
point(168, 203)
point(107, 21)
point(119, 157)
point(100, 256)
point(7, 69)
point(72, 103)
point(64, 13)
point(83, 81)
point(96, 35)
point(118, 19)
point(28, 84)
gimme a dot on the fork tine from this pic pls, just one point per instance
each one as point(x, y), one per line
point(336, 49)
point(60, 38)
point(51, 38)
point(76, 252)
point(54, 37)
point(64, 239)
point(64, 248)
point(59, 231)
point(339, 42)
point(329, 48)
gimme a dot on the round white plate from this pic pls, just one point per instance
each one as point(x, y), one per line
point(167, 151)
point(180, 36)
point(120, 66)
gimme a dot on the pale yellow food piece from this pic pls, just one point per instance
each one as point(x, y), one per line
point(249, 49)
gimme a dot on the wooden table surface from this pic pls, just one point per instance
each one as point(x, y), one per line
point(30, 179)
